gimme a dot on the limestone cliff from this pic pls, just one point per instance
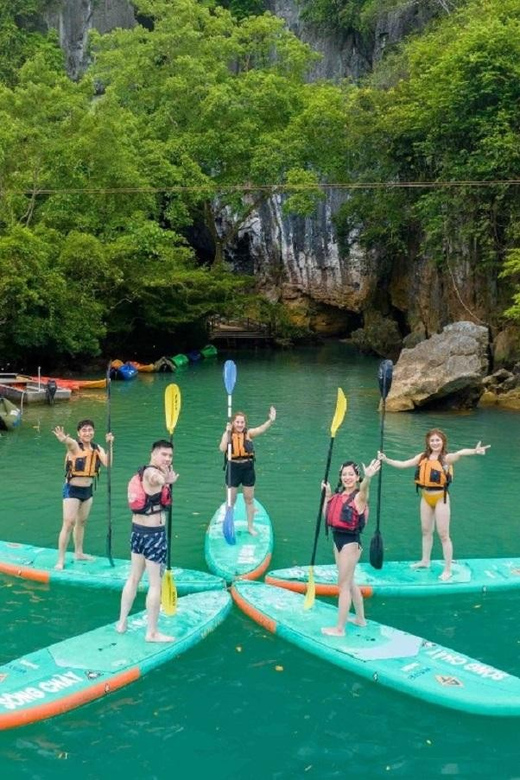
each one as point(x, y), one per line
point(75, 18)
point(300, 261)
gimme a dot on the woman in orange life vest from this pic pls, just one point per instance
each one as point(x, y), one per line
point(433, 476)
point(346, 512)
point(242, 466)
point(82, 463)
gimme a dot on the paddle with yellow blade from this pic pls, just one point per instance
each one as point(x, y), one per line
point(172, 408)
point(339, 414)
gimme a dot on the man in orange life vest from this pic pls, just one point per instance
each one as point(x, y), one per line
point(241, 469)
point(82, 463)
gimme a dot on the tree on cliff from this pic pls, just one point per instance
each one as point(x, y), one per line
point(447, 109)
point(220, 104)
point(79, 261)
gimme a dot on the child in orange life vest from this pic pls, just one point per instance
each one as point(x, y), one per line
point(82, 460)
point(433, 476)
point(346, 512)
point(241, 469)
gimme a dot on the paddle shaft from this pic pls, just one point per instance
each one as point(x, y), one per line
point(229, 452)
point(109, 470)
point(380, 474)
point(322, 502)
point(169, 533)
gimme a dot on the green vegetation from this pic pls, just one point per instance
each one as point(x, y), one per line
point(195, 123)
point(189, 110)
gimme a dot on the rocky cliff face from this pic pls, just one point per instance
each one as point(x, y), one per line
point(75, 18)
point(299, 261)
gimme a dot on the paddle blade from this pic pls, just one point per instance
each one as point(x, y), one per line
point(229, 526)
point(376, 551)
point(384, 377)
point(172, 406)
point(339, 414)
point(310, 594)
point(168, 593)
point(230, 376)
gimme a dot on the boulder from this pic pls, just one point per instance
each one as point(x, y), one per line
point(444, 371)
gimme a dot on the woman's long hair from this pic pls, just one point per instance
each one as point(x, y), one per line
point(428, 450)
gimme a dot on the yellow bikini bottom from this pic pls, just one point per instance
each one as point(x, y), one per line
point(432, 497)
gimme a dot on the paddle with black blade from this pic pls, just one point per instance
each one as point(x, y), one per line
point(230, 377)
point(109, 472)
point(172, 408)
point(384, 377)
point(339, 414)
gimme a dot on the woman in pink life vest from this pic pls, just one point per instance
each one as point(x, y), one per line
point(346, 512)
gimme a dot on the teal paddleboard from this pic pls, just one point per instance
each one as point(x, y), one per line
point(68, 674)
point(385, 655)
point(250, 556)
point(397, 578)
point(37, 563)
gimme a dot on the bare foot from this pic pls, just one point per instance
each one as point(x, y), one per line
point(252, 532)
point(121, 627)
point(333, 631)
point(84, 557)
point(60, 566)
point(157, 637)
point(446, 575)
point(357, 621)
point(420, 565)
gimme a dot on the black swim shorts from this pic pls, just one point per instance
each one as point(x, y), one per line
point(241, 473)
point(75, 491)
point(150, 542)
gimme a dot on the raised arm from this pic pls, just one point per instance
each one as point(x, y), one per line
point(480, 449)
point(70, 443)
point(262, 428)
point(369, 471)
point(399, 464)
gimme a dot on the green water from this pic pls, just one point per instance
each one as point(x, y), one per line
point(223, 710)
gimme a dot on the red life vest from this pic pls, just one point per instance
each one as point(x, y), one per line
point(342, 513)
point(141, 502)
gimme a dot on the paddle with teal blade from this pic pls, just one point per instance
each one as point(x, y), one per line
point(230, 377)
point(109, 472)
point(384, 377)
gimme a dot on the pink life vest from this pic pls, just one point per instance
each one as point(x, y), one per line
point(140, 502)
point(342, 513)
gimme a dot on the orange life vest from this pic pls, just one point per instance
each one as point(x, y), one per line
point(433, 474)
point(85, 463)
point(241, 446)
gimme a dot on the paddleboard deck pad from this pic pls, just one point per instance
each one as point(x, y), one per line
point(251, 555)
point(383, 654)
point(397, 578)
point(37, 563)
point(68, 674)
